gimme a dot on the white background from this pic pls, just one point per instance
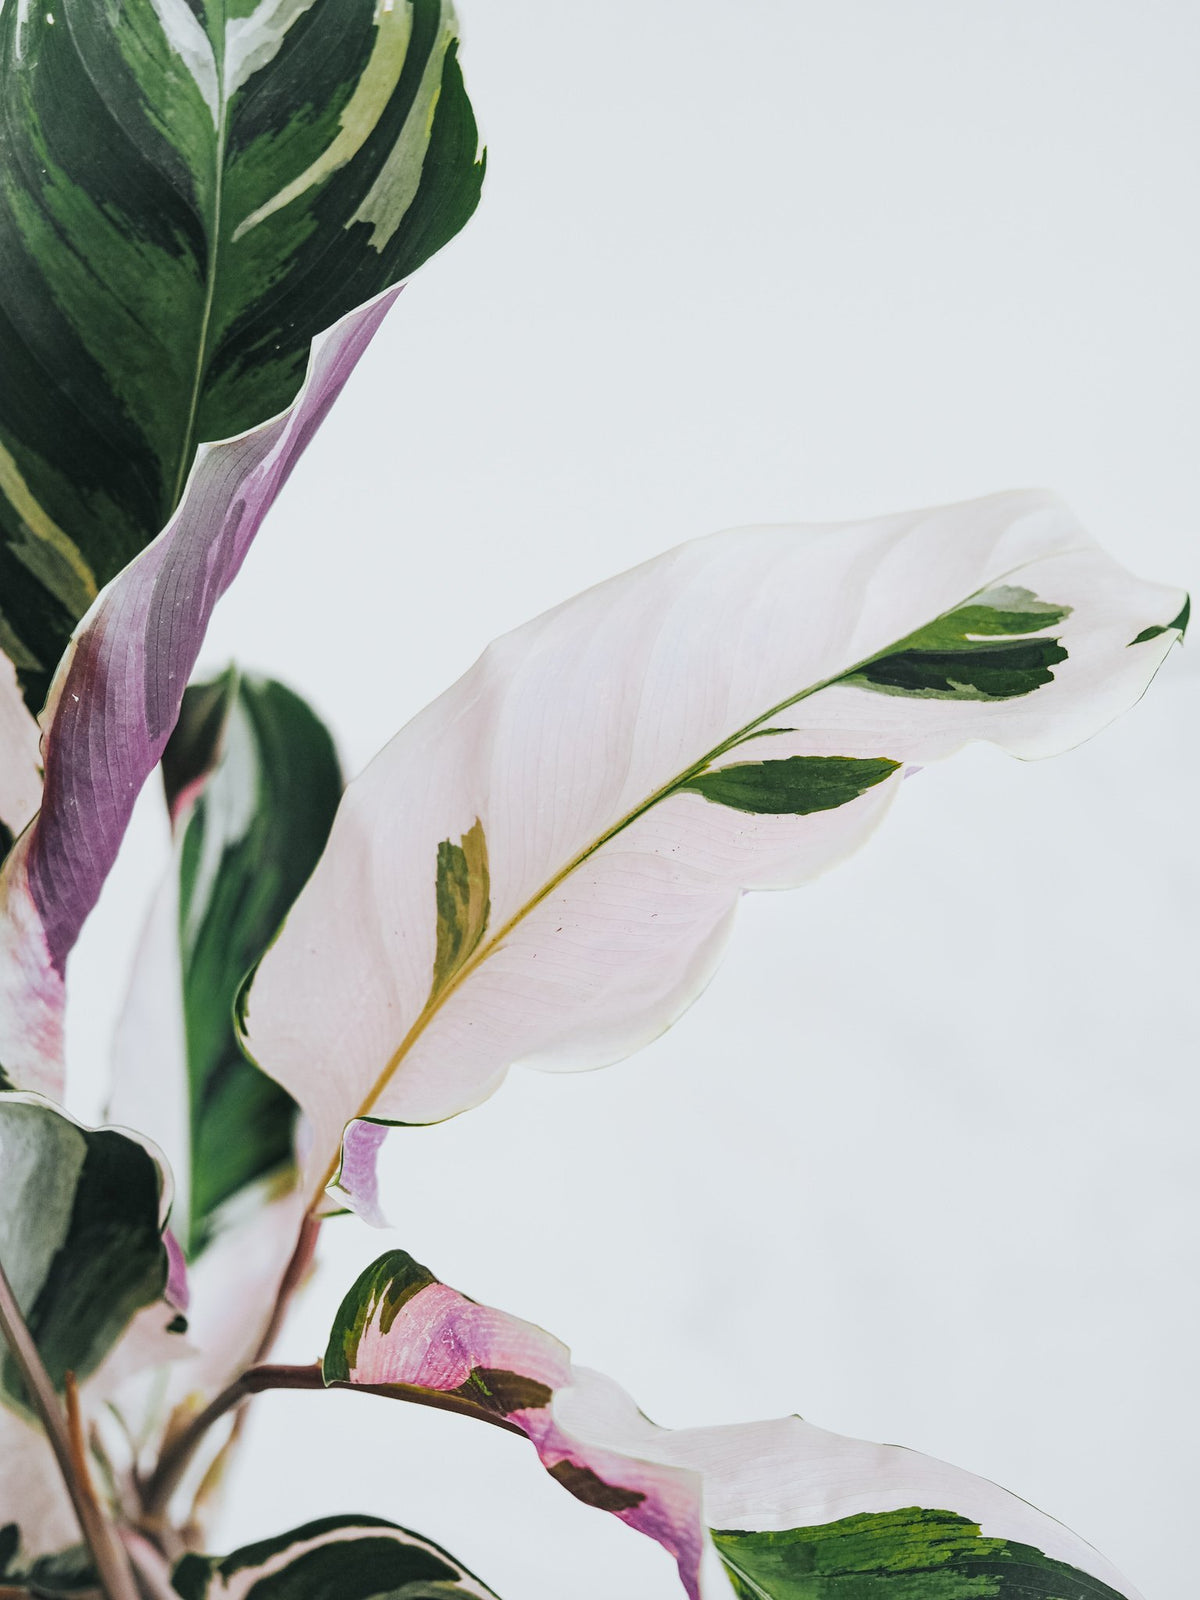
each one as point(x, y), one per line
point(920, 1164)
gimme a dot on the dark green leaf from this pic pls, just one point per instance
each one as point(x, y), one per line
point(249, 842)
point(336, 1558)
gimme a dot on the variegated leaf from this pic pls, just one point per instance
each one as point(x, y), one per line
point(189, 194)
point(544, 865)
point(252, 784)
point(81, 1240)
point(187, 198)
point(765, 1511)
point(82, 1213)
point(350, 1558)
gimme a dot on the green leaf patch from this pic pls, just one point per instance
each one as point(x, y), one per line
point(912, 1554)
point(796, 786)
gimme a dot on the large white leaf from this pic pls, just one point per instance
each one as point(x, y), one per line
point(542, 867)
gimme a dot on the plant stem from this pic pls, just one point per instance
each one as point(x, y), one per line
point(66, 1440)
point(153, 1572)
point(293, 1276)
point(175, 1459)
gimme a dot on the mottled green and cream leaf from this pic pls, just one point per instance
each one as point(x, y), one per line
point(911, 1554)
point(462, 903)
point(188, 195)
point(615, 754)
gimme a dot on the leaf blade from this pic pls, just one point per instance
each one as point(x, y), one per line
point(577, 742)
point(794, 1512)
point(356, 1558)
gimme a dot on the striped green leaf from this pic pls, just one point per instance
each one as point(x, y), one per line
point(190, 191)
point(252, 784)
point(336, 1558)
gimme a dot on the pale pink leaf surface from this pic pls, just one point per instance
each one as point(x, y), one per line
point(607, 890)
point(400, 1326)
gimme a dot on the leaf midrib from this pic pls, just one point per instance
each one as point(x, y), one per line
point(489, 946)
point(203, 351)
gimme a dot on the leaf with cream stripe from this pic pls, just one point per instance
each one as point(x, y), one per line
point(336, 1558)
point(735, 714)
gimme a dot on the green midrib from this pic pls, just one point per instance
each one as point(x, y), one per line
point(744, 1577)
point(487, 947)
point(187, 444)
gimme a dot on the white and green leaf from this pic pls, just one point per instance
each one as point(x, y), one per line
point(252, 784)
point(544, 865)
point(336, 1558)
point(776, 1510)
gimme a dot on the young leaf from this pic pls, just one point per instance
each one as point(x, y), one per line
point(189, 195)
point(791, 1511)
point(610, 766)
point(244, 183)
point(81, 1236)
point(337, 1558)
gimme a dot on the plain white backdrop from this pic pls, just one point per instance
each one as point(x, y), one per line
point(920, 1165)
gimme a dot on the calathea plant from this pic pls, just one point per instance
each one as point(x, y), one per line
point(206, 209)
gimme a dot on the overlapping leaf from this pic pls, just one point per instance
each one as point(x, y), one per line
point(336, 1558)
point(81, 1223)
point(766, 1511)
point(252, 783)
point(187, 199)
point(81, 1240)
point(543, 866)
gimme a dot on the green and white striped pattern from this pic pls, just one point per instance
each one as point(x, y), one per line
point(337, 1558)
point(252, 784)
point(190, 190)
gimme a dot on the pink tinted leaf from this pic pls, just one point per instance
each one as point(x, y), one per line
point(764, 1511)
